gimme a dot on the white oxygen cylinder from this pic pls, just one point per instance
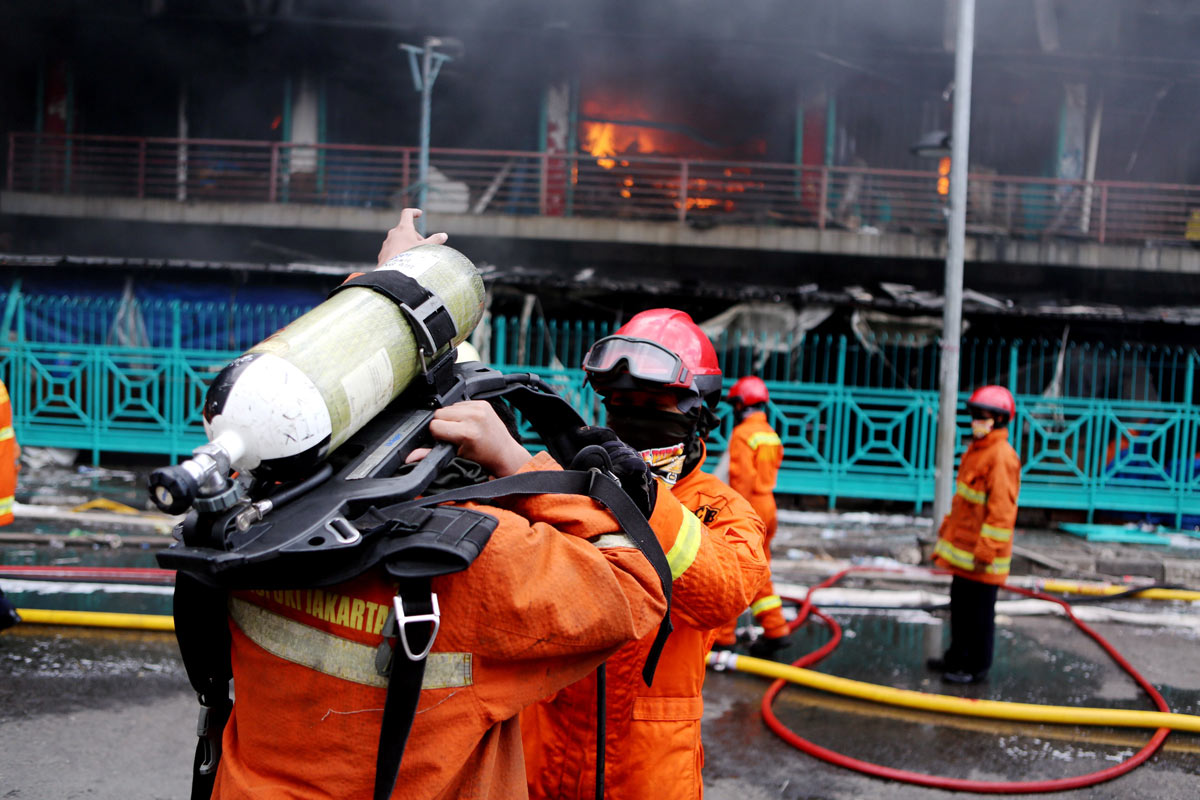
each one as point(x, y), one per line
point(281, 407)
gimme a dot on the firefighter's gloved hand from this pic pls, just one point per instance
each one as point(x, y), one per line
point(624, 462)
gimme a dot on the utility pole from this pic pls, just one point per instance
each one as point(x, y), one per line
point(947, 431)
point(424, 74)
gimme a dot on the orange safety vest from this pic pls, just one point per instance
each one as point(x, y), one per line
point(543, 605)
point(10, 452)
point(713, 541)
point(975, 538)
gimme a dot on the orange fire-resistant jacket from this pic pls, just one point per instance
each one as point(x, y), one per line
point(755, 454)
point(543, 604)
point(975, 539)
point(713, 541)
point(10, 451)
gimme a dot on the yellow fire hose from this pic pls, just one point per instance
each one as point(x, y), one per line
point(97, 619)
point(1100, 589)
point(995, 709)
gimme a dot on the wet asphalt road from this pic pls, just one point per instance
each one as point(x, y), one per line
point(93, 714)
point(1038, 660)
point(104, 714)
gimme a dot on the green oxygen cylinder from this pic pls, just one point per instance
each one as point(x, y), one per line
point(290, 400)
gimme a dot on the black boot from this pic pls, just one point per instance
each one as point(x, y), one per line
point(8, 615)
point(963, 678)
point(769, 647)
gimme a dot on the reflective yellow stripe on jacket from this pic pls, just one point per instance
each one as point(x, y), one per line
point(687, 545)
point(999, 534)
point(335, 656)
point(972, 495)
point(1000, 566)
point(6, 505)
point(6, 432)
point(966, 561)
point(764, 437)
point(765, 604)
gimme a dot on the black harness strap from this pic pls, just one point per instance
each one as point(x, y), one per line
point(601, 718)
point(399, 709)
point(202, 630)
point(592, 484)
point(432, 325)
point(404, 680)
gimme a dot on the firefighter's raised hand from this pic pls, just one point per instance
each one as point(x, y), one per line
point(480, 435)
point(405, 236)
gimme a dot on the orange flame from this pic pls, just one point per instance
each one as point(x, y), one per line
point(943, 182)
point(610, 142)
point(604, 140)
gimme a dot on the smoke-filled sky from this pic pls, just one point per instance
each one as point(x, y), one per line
point(735, 73)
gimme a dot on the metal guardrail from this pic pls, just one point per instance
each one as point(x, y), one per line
point(650, 188)
point(1081, 370)
point(1097, 428)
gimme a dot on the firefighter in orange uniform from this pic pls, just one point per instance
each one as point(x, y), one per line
point(557, 589)
point(755, 455)
point(976, 538)
point(659, 378)
point(10, 465)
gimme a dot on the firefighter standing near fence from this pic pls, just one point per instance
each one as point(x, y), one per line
point(10, 465)
point(976, 538)
point(659, 378)
point(755, 455)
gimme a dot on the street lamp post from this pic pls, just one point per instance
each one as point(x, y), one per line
point(424, 74)
point(947, 431)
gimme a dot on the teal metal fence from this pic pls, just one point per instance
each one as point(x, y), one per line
point(1098, 427)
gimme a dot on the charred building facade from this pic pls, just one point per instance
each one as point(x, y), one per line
point(685, 147)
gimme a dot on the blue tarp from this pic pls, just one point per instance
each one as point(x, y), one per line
point(209, 317)
point(1137, 468)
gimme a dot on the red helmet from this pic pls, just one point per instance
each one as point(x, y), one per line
point(661, 347)
point(995, 399)
point(750, 390)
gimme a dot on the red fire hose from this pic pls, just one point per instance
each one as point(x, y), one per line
point(139, 575)
point(936, 781)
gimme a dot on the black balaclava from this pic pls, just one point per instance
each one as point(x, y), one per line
point(648, 429)
point(645, 428)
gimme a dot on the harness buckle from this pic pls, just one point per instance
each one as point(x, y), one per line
point(403, 620)
point(209, 732)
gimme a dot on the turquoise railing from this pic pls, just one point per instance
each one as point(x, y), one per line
point(1098, 427)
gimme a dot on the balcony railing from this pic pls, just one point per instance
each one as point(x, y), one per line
point(862, 199)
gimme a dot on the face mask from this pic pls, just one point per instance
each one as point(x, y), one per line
point(648, 428)
point(982, 427)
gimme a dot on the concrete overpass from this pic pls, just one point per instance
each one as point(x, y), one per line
point(989, 248)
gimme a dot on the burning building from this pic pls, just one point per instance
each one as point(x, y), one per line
point(675, 141)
